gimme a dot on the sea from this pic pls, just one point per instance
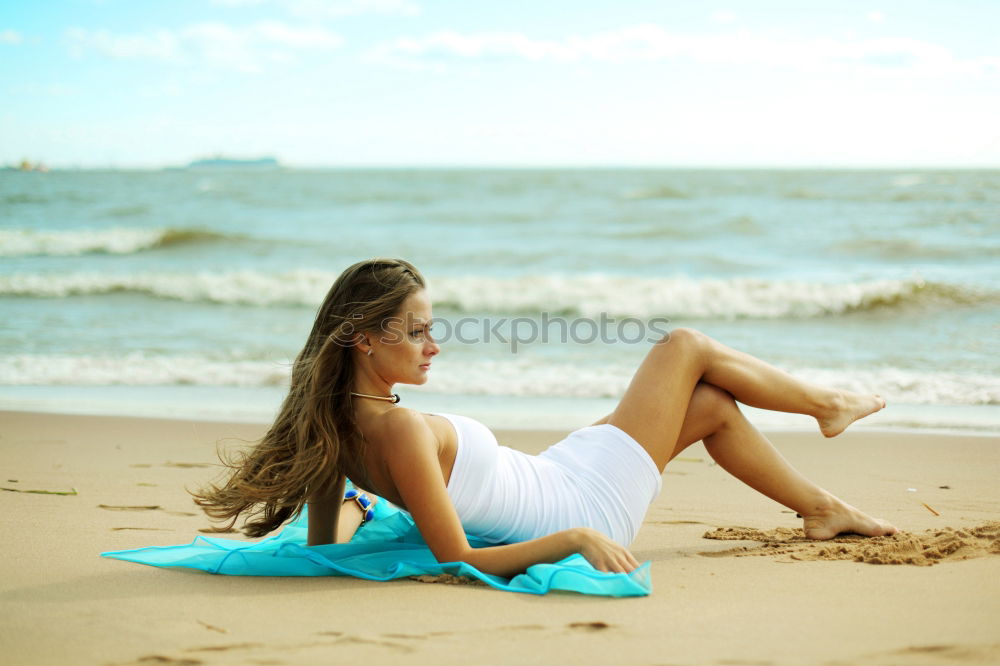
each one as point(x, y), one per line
point(189, 292)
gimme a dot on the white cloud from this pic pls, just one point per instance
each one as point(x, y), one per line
point(154, 90)
point(43, 89)
point(652, 43)
point(238, 3)
point(320, 9)
point(247, 48)
point(876, 17)
point(483, 45)
point(158, 45)
point(723, 16)
point(336, 8)
point(10, 37)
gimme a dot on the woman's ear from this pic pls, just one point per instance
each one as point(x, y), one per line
point(364, 345)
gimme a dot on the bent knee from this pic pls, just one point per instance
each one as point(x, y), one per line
point(711, 402)
point(710, 396)
point(689, 339)
point(685, 336)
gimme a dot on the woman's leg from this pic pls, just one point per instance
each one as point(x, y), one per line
point(713, 416)
point(758, 384)
point(654, 405)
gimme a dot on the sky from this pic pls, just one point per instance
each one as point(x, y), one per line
point(561, 83)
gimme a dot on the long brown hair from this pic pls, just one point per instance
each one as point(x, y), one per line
point(314, 437)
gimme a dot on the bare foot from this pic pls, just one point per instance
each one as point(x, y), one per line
point(846, 409)
point(835, 517)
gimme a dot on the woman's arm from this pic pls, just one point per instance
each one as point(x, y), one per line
point(324, 514)
point(412, 459)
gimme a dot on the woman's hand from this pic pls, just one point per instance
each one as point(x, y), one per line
point(603, 553)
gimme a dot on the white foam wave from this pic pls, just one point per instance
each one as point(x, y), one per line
point(516, 376)
point(22, 242)
point(138, 369)
point(301, 287)
point(586, 295)
point(732, 298)
point(523, 377)
point(910, 386)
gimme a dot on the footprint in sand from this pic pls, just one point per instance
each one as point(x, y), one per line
point(123, 507)
point(143, 507)
point(225, 648)
point(921, 549)
point(931, 654)
point(212, 627)
point(448, 579)
point(379, 642)
point(589, 626)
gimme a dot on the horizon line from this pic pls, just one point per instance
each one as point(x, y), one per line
point(281, 166)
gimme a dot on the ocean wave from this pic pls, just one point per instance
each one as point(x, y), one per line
point(118, 240)
point(897, 195)
point(300, 287)
point(909, 248)
point(659, 192)
point(910, 386)
point(23, 198)
point(139, 369)
point(516, 376)
point(530, 378)
point(733, 298)
point(582, 295)
point(680, 228)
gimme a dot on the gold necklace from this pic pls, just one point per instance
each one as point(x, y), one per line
point(394, 398)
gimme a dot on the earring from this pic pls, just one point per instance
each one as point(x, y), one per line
point(369, 352)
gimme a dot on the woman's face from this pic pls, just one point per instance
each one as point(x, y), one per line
point(402, 352)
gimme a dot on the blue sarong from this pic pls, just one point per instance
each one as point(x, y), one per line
point(387, 547)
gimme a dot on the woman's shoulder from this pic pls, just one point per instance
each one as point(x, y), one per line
point(398, 422)
point(403, 425)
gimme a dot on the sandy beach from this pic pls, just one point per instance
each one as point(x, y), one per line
point(755, 595)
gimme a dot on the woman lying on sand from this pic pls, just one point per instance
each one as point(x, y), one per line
point(586, 494)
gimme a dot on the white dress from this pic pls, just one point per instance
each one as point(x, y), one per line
point(597, 477)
